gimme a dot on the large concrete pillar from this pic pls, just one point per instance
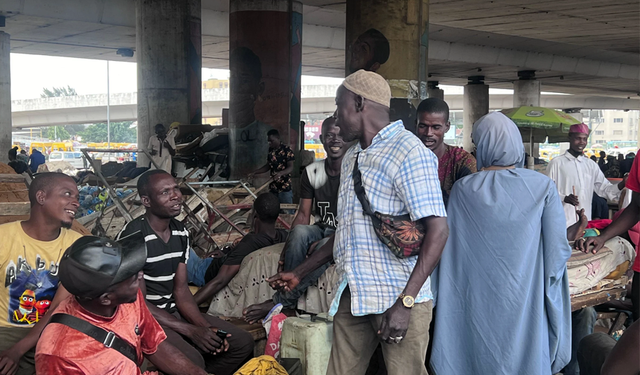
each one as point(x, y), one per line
point(433, 91)
point(168, 53)
point(265, 59)
point(475, 104)
point(5, 97)
point(526, 90)
point(405, 24)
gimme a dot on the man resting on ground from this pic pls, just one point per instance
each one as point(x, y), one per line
point(165, 284)
point(318, 193)
point(220, 271)
point(103, 277)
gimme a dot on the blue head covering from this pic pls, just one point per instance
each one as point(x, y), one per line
point(498, 142)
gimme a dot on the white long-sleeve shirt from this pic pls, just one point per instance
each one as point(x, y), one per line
point(581, 173)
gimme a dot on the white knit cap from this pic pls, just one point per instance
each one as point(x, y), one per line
point(370, 86)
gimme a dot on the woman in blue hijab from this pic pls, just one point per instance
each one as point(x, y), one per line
point(502, 287)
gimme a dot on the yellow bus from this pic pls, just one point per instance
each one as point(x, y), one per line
point(48, 147)
point(317, 148)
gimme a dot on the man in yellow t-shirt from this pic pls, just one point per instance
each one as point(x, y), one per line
point(30, 252)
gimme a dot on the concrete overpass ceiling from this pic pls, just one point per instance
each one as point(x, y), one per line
point(575, 46)
point(610, 25)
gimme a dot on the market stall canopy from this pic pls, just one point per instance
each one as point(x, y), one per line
point(539, 123)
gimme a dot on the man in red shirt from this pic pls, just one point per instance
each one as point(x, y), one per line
point(103, 277)
point(623, 223)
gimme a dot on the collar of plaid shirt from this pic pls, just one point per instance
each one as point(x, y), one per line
point(400, 176)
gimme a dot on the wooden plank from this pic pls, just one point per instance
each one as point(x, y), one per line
point(595, 299)
point(15, 208)
point(11, 178)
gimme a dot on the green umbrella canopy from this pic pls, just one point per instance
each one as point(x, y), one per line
point(541, 123)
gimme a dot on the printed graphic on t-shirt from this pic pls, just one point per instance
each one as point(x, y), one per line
point(31, 289)
point(324, 211)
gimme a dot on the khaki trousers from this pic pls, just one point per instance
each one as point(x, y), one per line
point(9, 337)
point(355, 339)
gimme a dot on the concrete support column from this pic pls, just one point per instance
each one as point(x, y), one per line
point(526, 92)
point(265, 60)
point(433, 91)
point(5, 97)
point(405, 24)
point(168, 53)
point(475, 105)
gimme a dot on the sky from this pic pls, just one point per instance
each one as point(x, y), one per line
point(31, 73)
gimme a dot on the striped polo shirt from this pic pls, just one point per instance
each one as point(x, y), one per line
point(162, 260)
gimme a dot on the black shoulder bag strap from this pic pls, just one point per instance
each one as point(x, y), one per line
point(108, 338)
point(362, 195)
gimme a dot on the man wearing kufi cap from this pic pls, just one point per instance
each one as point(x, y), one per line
point(577, 178)
point(380, 298)
point(103, 277)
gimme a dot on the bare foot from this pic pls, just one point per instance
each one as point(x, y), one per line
point(259, 311)
point(576, 230)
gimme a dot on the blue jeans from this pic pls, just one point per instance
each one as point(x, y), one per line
point(582, 323)
point(286, 197)
point(197, 267)
point(298, 242)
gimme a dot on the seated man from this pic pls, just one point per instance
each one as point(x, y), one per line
point(29, 255)
point(318, 189)
point(221, 270)
point(18, 165)
point(600, 354)
point(454, 163)
point(103, 278)
point(165, 285)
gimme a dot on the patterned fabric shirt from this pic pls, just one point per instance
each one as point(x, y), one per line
point(400, 176)
point(452, 166)
point(277, 160)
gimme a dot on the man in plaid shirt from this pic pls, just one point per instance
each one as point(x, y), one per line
point(380, 298)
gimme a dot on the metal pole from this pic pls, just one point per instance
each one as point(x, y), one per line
point(108, 102)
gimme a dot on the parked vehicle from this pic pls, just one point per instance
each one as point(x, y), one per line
point(76, 159)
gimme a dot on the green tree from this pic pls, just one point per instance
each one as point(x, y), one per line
point(120, 132)
point(56, 132)
point(75, 128)
point(58, 91)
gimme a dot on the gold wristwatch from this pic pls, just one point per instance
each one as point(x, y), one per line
point(407, 301)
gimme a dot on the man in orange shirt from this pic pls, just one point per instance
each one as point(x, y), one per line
point(103, 277)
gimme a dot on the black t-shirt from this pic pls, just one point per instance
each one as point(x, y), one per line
point(162, 260)
point(324, 195)
point(250, 243)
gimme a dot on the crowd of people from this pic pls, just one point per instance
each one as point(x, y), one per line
point(433, 247)
point(21, 162)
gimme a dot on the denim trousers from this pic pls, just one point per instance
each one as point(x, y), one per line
point(298, 242)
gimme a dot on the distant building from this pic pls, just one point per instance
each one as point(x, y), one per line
point(612, 127)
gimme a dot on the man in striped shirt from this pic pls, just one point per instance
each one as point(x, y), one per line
point(165, 282)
